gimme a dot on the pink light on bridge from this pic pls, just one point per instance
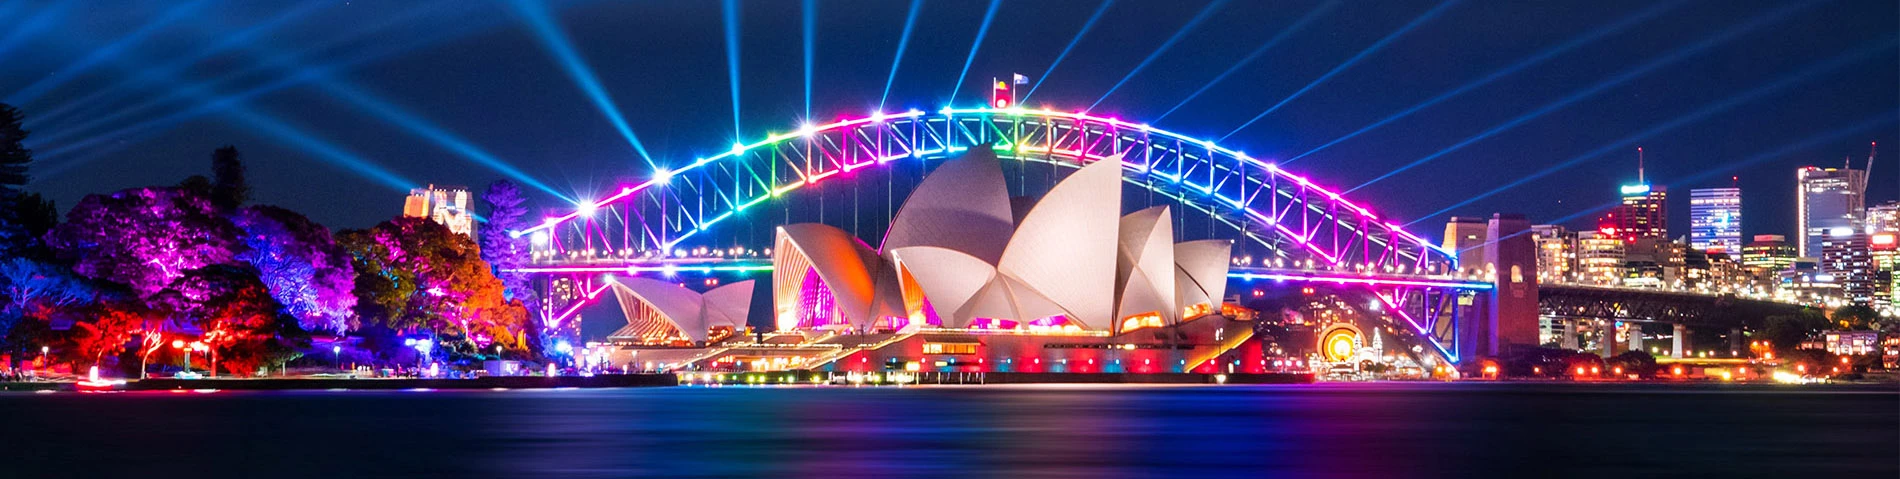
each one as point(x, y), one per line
point(661, 176)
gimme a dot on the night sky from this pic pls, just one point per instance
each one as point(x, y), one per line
point(339, 106)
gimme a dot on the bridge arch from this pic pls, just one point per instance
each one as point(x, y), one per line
point(1322, 236)
point(1294, 218)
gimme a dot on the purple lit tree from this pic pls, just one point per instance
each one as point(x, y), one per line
point(144, 238)
point(302, 265)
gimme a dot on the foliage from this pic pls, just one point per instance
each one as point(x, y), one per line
point(105, 333)
point(228, 188)
point(1532, 362)
point(1785, 332)
point(1640, 363)
point(1858, 317)
point(301, 264)
point(414, 275)
point(501, 248)
point(145, 238)
point(1816, 360)
point(23, 216)
point(14, 156)
point(1548, 362)
point(33, 289)
point(242, 323)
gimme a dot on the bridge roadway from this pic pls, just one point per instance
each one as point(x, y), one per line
point(722, 265)
point(1571, 304)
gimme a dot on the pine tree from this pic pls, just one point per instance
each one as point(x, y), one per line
point(14, 157)
point(228, 187)
point(23, 217)
point(500, 247)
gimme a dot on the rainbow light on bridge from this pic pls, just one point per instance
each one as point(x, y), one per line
point(662, 176)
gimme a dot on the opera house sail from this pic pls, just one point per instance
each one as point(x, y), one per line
point(958, 255)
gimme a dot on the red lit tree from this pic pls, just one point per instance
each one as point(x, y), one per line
point(236, 314)
point(105, 333)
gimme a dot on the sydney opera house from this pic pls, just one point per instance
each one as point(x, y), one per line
point(966, 279)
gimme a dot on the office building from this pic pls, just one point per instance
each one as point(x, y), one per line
point(1715, 219)
point(1643, 214)
point(1883, 248)
point(1556, 252)
point(1829, 201)
point(1769, 253)
point(1600, 258)
point(1848, 259)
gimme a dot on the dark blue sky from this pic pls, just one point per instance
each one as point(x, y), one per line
point(124, 94)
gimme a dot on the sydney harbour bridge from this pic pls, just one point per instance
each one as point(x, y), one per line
point(713, 218)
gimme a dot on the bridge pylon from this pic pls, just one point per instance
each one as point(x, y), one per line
point(1508, 312)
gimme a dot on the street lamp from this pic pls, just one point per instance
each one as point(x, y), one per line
point(43, 350)
point(337, 352)
point(194, 346)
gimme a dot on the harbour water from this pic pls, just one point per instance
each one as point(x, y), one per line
point(1321, 430)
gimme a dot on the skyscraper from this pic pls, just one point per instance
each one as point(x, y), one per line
point(1849, 260)
point(1829, 201)
point(1643, 214)
point(1715, 219)
point(1556, 253)
point(446, 205)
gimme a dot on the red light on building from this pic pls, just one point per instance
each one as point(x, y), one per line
point(1883, 241)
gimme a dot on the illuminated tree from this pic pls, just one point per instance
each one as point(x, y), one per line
point(33, 292)
point(144, 238)
point(414, 275)
point(245, 327)
point(301, 264)
point(105, 333)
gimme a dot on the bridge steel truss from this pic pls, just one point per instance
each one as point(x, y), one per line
point(1294, 218)
point(1634, 305)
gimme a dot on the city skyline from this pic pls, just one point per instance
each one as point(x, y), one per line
point(1302, 80)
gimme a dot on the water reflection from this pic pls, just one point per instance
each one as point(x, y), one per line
point(1353, 430)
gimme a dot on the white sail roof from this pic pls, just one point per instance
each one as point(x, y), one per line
point(948, 277)
point(962, 206)
point(1065, 247)
point(728, 305)
point(1201, 271)
point(1144, 265)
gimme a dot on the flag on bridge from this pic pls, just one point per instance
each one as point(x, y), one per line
point(1021, 80)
